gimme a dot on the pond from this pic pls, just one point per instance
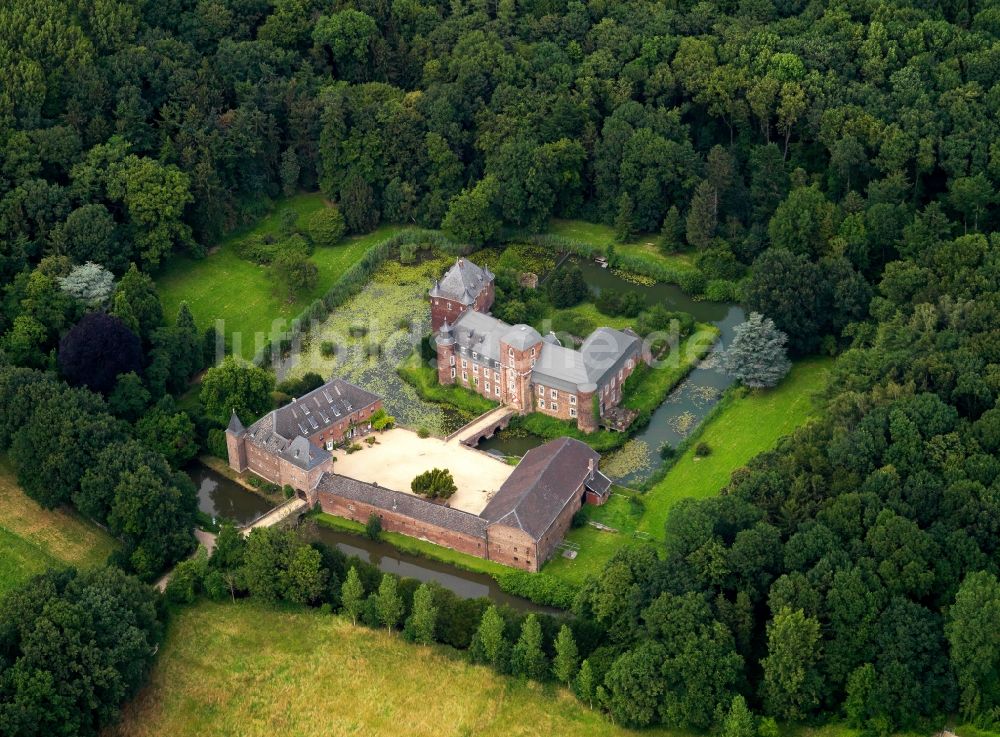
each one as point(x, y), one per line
point(365, 339)
point(685, 407)
point(222, 498)
point(465, 584)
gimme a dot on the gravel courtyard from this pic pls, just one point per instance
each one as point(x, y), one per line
point(400, 455)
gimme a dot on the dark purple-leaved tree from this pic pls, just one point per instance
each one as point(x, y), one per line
point(97, 350)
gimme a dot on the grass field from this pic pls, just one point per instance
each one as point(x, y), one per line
point(33, 539)
point(224, 286)
point(247, 669)
point(748, 426)
point(643, 247)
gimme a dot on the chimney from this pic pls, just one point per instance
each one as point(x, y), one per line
point(590, 469)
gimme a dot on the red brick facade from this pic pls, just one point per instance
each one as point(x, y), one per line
point(394, 522)
point(443, 308)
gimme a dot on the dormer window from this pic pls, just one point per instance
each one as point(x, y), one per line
point(510, 352)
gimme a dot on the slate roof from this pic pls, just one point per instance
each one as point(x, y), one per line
point(235, 426)
point(603, 352)
point(463, 282)
point(480, 333)
point(541, 486)
point(283, 432)
point(521, 337)
point(406, 504)
point(321, 408)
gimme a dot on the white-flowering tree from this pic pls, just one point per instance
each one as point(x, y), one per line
point(756, 357)
point(90, 283)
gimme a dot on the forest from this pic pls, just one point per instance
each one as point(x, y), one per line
point(836, 164)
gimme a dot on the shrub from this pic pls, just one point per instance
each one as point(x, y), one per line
point(722, 290)
point(288, 491)
point(541, 588)
point(373, 528)
point(407, 253)
point(667, 451)
point(326, 226)
point(353, 448)
point(692, 282)
point(423, 432)
point(370, 440)
point(436, 483)
point(216, 443)
point(702, 449)
point(327, 349)
point(255, 481)
point(357, 331)
point(579, 519)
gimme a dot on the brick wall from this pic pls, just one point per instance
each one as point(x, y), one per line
point(513, 547)
point(394, 522)
point(567, 404)
point(445, 309)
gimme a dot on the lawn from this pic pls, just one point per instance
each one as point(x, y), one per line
point(741, 429)
point(33, 539)
point(747, 426)
point(249, 669)
point(644, 247)
point(424, 380)
point(222, 286)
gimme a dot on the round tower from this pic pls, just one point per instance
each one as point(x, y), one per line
point(445, 343)
point(586, 412)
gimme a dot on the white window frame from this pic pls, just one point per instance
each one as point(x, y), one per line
point(475, 381)
point(465, 364)
point(496, 389)
point(554, 393)
point(541, 404)
point(487, 387)
point(465, 376)
point(554, 407)
point(453, 372)
point(452, 361)
point(572, 412)
point(541, 390)
point(572, 399)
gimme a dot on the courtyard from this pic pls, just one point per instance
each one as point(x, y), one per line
point(400, 454)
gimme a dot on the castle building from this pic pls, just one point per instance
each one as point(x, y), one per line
point(518, 367)
point(465, 286)
point(521, 526)
point(291, 445)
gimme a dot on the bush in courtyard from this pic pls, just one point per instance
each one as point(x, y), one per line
point(434, 484)
point(423, 432)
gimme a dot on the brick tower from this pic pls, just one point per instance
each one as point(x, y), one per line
point(520, 347)
point(445, 342)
